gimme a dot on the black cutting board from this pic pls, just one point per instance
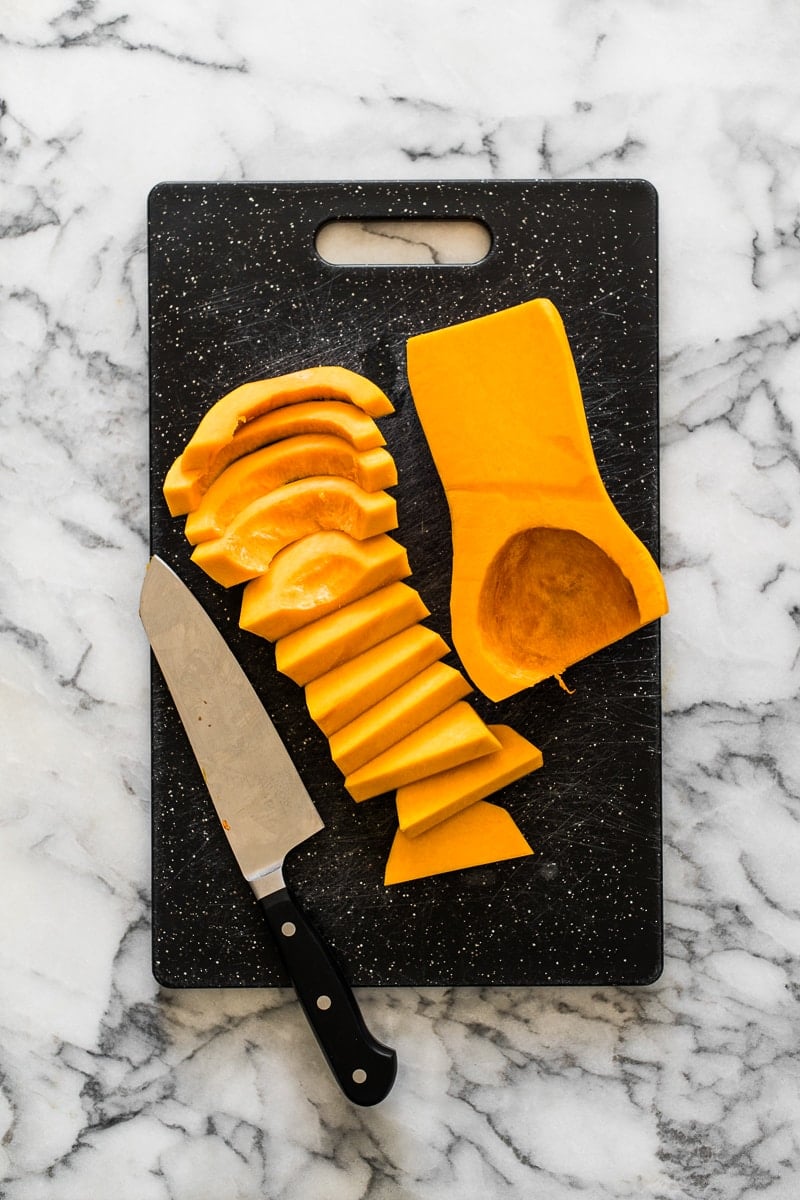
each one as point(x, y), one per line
point(238, 292)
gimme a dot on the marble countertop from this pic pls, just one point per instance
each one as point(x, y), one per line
point(687, 1088)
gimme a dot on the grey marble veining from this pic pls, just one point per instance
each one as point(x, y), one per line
point(688, 1088)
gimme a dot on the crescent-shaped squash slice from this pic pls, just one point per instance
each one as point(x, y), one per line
point(251, 400)
point(482, 834)
point(316, 576)
point(340, 695)
point(284, 515)
point(311, 651)
point(545, 569)
point(184, 489)
point(401, 712)
point(455, 736)
point(294, 458)
point(423, 804)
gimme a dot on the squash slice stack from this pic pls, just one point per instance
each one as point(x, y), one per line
point(283, 485)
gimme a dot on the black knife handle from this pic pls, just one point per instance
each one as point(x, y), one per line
point(364, 1069)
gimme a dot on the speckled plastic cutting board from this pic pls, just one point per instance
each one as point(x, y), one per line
point(237, 292)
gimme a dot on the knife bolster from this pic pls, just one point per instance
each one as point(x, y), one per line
point(268, 884)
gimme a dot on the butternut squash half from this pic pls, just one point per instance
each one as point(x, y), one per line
point(545, 570)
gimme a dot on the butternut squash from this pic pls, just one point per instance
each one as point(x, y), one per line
point(455, 736)
point(251, 477)
point(423, 804)
point(184, 489)
point(286, 514)
point(314, 649)
point(317, 575)
point(252, 400)
point(340, 695)
point(545, 570)
point(384, 723)
point(481, 834)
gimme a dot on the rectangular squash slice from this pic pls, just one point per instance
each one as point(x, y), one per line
point(427, 802)
point(324, 644)
point(398, 714)
point(455, 736)
point(340, 695)
point(483, 833)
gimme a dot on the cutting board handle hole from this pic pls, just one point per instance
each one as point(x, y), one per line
point(408, 242)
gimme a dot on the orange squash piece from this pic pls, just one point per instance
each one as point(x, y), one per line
point(317, 575)
point(545, 570)
point(398, 714)
point(184, 489)
point(311, 651)
point(293, 458)
point(340, 695)
point(481, 834)
point(286, 514)
point(252, 400)
point(423, 804)
point(455, 736)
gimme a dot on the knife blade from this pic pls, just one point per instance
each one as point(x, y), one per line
point(265, 811)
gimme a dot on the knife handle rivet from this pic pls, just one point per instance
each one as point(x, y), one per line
point(288, 929)
point(359, 1076)
point(324, 1002)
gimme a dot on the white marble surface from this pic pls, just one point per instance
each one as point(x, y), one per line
point(688, 1088)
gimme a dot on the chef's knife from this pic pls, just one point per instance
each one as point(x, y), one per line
point(265, 812)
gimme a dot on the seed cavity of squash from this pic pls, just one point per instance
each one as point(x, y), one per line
point(550, 598)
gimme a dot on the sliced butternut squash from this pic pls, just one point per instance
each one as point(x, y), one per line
point(311, 651)
point(423, 804)
point(293, 458)
point(317, 575)
point(252, 400)
point(286, 514)
point(184, 489)
point(398, 714)
point(455, 736)
point(340, 695)
point(545, 570)
point(481, 834)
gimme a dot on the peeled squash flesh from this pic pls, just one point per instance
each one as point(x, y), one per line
point(251, 477)
point(252, 400)
point(455, 736)
point(412, 704)
point(324, 644)
point(423, 804)
point(184, 489)
point(481, 834)
point(545, 569)
point(344, 693)
point(253, 538)
point(317, 575)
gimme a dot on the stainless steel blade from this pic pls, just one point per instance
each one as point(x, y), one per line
point(260, 799)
